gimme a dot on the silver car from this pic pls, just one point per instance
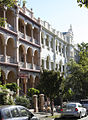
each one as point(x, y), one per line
point(73, 109)
point(16, 112)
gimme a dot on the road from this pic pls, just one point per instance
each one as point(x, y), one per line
point(48, 118)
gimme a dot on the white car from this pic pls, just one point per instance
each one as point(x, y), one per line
point(73, 109)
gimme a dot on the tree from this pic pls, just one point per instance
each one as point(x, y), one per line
point(77, 79)
point(32, 91)
point(51, 84)
point(7, 3)
point(83, 2)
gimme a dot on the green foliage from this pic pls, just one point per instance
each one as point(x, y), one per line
point(12, 86)
point(83, 3)
point(22, 100)
point(8, 3)
point(51, 83)
point(32, 91)
point(77, 79)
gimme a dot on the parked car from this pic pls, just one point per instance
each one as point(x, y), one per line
point(84, 103)
point(73, 109)
point(16, 112)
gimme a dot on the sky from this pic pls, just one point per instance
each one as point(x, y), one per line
point(60, 14)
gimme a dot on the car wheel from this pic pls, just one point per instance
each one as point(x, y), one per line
point(85, 114)
point(80, 115)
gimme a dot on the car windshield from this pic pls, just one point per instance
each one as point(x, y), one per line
point(69, 106)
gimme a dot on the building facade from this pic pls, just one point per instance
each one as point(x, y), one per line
point(57, 48)
point(20, 48)
point(27, 44)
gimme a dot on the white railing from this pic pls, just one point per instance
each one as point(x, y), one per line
point(2, 58)
point(21, 35)
point(36, 67)
point(29, 66)
point(21, 64)
point(28, 38)
point(10, 59)
point(10, 27)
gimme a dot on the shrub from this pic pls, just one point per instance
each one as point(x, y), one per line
point(32, 91)
point(22, 100)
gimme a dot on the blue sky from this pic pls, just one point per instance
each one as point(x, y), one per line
point(60, 14)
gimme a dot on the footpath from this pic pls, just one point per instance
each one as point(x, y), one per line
point(46, 115)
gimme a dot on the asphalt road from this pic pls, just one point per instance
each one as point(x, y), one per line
point(46, 116)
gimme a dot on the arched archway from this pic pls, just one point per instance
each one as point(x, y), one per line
point(10, 49)
point(36, 81)
point(10, 18)
point(21, 25)
point(47, 62)
point(31, 81)
point(21, 53)
point(1, 44)
point(42, 38)
point(29, 55)
point(35, 33)
point(36, 57)
point(28, 30)
point(2, 78)
point(11, 77)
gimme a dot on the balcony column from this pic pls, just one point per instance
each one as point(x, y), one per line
point(65, 51)
point(25, 63)
point(61, 48)
point(25, 85)
point(32, 34)
point(17, 18)
point(17, 50)
point(49, 42)
point(33, 61)
point(5, 8)
point(17, 92)
point(5, 56)
point(44, 39)
point(25, 30)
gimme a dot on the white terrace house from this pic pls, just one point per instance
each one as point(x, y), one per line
point(56, 47)
point(27, 43)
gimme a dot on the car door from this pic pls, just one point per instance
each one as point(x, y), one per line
point(6, 114)
point(15, 114)
point(24, 113)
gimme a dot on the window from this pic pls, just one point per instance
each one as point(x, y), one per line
point(6, 114)
point(59, 47)
point(15, 112)
point(25, 113)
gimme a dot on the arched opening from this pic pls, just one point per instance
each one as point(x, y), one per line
point(56, 45)
point(47, 62)
point(52, 42)
point(47, 40)
point(42, 38)
point(28, 30)
point(29, 55)
point(21, 53)
point(21, 25)
point(28, 84)
point(2, 78)
point(36, 81)
point(1, 44)
point(10, 50)
point(35, 35)
point(31, 82)
point(10, 18)
point(11, 77)
point(36, 58)
point(60, 65)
